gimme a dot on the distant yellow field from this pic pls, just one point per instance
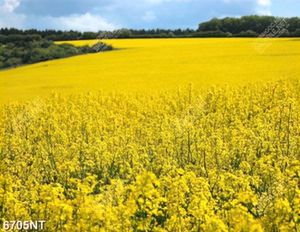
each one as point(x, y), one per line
point(156, 64)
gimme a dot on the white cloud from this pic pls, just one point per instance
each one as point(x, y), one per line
point(149, 16)
point(8, 17)
point(85, 22)
point(44, 14)
point(237, 1)
point(9, 6)
point(264, 7)
point(264, 3)
point(163, 1)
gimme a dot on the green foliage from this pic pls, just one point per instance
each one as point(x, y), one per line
point(297, 33)
point(248, 34)
point(210, 34)
point(17, 50)
point(249, 26)
point(101, 47)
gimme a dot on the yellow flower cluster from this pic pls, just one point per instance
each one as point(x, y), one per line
point(222, 160)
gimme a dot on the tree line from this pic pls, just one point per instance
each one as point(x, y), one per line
point(253, 26)
point(247, 26)
point(17, 49)
point(55, 35)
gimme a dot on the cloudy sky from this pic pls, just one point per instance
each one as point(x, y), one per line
point(94, 15)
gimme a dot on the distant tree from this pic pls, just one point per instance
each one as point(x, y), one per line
point(209, 34)
point(248, 33)
point(101, 47)
point(13, 62)
point(297, 33)
point(253, 23)
point(123, 33)
point(89, 35)
point(26, 49)
point(294, 24)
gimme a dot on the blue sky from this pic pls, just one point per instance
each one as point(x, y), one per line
point(94, 15)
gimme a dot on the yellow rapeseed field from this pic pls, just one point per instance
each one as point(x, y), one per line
point(157, 64)
point(185, 135)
